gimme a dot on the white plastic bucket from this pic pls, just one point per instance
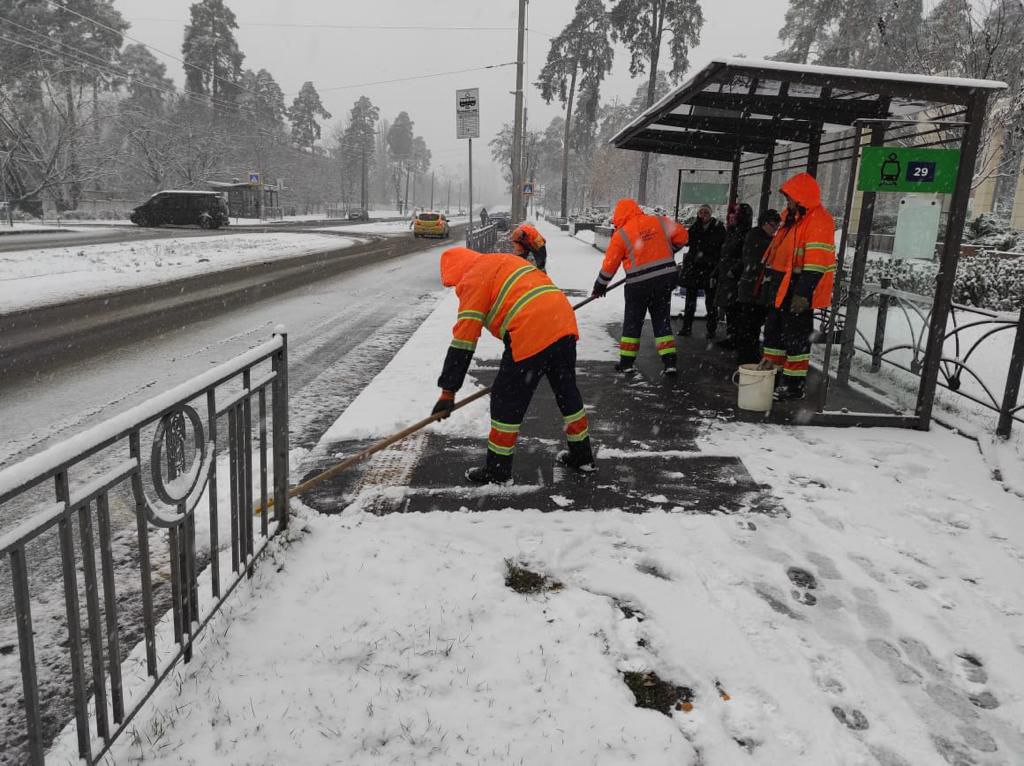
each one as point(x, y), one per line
point(755, 388)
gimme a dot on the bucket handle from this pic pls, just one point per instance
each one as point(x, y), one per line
point(736, 381)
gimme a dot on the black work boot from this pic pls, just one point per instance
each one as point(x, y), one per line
point(483, 475)
point(579, 457)
point(625, 364)
point(789, 392)
point(670, 368)
point(686, 330)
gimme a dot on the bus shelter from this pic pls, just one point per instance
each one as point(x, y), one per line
point(875, 141)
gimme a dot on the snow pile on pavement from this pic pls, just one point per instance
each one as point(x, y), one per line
point(54, 275)
point(881, 622)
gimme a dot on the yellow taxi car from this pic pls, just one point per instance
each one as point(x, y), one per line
point(430, 224)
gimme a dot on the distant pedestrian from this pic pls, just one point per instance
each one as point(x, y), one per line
point(801, 264)
point(751, 305)
point(645, 246)
point(699, 269)
point(484, 217)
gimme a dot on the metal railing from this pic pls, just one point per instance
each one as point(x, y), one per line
point(484, 239)
point(964, 322)
point(137, 509)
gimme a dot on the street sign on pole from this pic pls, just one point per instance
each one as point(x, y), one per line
point(467, 113)
point(254, 178)
point(527, 188)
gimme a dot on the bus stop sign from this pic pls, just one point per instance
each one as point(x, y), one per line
point(906, 169)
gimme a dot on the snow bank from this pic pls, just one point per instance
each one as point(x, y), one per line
point(53, 275)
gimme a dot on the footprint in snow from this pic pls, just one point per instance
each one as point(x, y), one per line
point(851, 719)
point(805, 583)
point(890, 655)
point(826, 566)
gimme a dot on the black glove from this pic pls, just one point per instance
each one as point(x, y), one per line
point(445, 404)
point(599, 290)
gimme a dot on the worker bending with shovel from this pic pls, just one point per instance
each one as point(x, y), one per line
point(520, 306)
point(529, 243)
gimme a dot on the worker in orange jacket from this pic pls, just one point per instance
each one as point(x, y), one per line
point(529, 244)
point(800, 270)
point(645, 247)
point(520, 306)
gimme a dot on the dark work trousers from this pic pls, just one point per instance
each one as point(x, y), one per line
point(749, 319)
point(787, 342)
point(654, 297)
point(731, 313)
point(541, 257)
point(511, 394)
point(693, 282)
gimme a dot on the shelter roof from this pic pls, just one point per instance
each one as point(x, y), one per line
point(750, 105)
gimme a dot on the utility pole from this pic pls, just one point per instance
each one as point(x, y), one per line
point(517, 132)
point(431, 189)
point(448, 205)
point(363, 203)
point(408, 172)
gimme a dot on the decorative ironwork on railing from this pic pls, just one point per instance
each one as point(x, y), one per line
point(968, 331)
point(137, 510)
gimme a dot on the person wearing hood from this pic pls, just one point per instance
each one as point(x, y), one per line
point(800, 269)
point(741, 220)
point(520, 306)
point(529, 243)
point(700, 267)
point(645, 247)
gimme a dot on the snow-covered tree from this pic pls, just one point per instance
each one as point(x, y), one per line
point(642, 26)
point(305, 112)
point(582, 50)
point(213, 60)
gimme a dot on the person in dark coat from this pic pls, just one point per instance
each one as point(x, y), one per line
point(729, 269)
point(751, 301)
point(700, 267)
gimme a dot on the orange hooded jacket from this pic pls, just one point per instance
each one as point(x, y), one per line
point(644, 245)
point(513, 299)
point(805, 249)
point(526, 239)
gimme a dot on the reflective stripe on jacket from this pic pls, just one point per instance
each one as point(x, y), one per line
point(644, 245)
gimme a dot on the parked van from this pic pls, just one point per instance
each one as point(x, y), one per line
point(206, 209)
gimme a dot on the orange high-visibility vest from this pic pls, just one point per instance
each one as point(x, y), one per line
point(510, 297)
point(644, 245)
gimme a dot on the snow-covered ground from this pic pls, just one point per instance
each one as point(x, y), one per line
point(52, 275)
point(880, 622)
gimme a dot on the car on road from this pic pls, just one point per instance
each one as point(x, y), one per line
point(358, 214)
point(206, 209)
point(431, 224)
point(501, 219)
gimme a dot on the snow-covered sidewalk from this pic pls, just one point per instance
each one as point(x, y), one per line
point(30, 278)
point(879, 620)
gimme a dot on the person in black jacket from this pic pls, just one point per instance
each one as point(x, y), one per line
point(751, 301)
point(700, 267)
point(729, 269)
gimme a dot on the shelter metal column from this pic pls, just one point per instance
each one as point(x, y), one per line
point(860, 262)
point(814, 149)
point(734, 177)
point(969, 144)
point(766, 180)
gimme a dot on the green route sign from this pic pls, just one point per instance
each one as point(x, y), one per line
point(696, 193)
point(906, 169)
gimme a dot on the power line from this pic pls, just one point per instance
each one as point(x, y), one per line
point(358, 27)
point(417, 77)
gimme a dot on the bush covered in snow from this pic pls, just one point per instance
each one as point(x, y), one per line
point(985, 281)
point(993, 231)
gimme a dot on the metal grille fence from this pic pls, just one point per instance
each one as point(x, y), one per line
point(145, 518)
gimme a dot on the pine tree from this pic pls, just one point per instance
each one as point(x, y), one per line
point(399, 141)
point(213, 61)
point(582, 50)
point(261, 97)
point(642, 25)
point(356, 149)
point(303, 114)
point(145, 79)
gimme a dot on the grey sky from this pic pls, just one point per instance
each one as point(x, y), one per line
point(333, 57)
